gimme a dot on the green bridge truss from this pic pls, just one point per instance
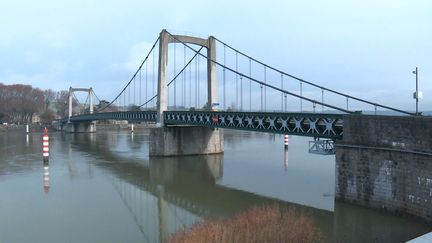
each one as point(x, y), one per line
point(319, 125)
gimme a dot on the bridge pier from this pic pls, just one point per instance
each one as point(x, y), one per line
point(185, 140)
point(80, 127)
point(385, 162)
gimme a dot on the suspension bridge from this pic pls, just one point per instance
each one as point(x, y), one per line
point(382, 161)
point(252, 96)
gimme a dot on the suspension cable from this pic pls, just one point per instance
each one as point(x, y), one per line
point(236, 79)
point(134, 90)
point(174, 73)
point(224, 78)
point(140, 88)
point(250, 85)
point(154, 79)
point(96, 96)
point(199, 83)
point(313, 84)
point(258, 81)
point(183, 89)
point(282, 87)
point(178, 74)
point(145, 59)
point(146, 81)
point(85, 103)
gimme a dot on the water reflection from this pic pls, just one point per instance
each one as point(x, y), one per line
point(46, 177)
point(147, 192)
point(176, 192)
point(17, 155)
point(184, 190)
point(286, 160)
point(163, 195)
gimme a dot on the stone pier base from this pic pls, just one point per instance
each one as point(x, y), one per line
point(84, 127)
point(185, 140)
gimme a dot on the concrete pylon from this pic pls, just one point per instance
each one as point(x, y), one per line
point(162, 98)
point(90, 95)
point(70, 104)
point(211, 73)
point(165, 39)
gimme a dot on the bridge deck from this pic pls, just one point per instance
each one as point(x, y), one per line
point(320, 125)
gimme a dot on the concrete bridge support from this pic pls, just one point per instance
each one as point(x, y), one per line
point(185, 140)
point(165, 39)
point(80, 127)
point(386, 162)
point(180, 140)
point(77, 127)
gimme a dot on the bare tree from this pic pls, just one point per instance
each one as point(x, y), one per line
point(62, 100)
point(20, 102)
point(50, 97)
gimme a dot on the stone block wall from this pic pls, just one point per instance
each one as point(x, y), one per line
point(386, 162)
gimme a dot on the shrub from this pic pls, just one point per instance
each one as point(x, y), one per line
point(257, 224)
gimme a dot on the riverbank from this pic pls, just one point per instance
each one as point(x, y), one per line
point(102, 127)
point(33, 128)
point(141, 126)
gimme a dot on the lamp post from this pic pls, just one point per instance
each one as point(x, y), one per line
point(416, 94)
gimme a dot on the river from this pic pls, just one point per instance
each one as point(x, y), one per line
point(103, 187)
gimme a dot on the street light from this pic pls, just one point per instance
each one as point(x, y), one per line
point(417, 94)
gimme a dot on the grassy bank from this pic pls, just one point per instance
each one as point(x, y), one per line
point(258, 224)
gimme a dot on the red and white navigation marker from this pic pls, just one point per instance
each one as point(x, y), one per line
point(45, 141)
point(286, 142)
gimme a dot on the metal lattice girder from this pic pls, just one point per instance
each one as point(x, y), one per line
point(324, 147)
point(303, 124)
point(125, 115)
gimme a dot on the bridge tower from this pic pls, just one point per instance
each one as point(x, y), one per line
point(180, 140)
point(81, 126)
point(90, 98)
point(165, 39)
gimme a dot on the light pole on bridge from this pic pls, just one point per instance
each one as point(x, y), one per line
point(417, 95)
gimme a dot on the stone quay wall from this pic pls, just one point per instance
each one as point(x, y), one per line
point(386, 162)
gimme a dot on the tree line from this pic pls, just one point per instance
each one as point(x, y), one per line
point(20, 103)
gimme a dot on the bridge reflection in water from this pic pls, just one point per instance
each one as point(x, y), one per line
point(164, 195)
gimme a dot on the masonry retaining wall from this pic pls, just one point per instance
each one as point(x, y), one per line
point(386, 162)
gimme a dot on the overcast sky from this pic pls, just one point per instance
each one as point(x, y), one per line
point(366, 48)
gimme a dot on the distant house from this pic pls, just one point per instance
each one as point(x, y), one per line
point(35, 118)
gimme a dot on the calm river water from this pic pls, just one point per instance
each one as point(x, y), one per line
point(103, 187)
